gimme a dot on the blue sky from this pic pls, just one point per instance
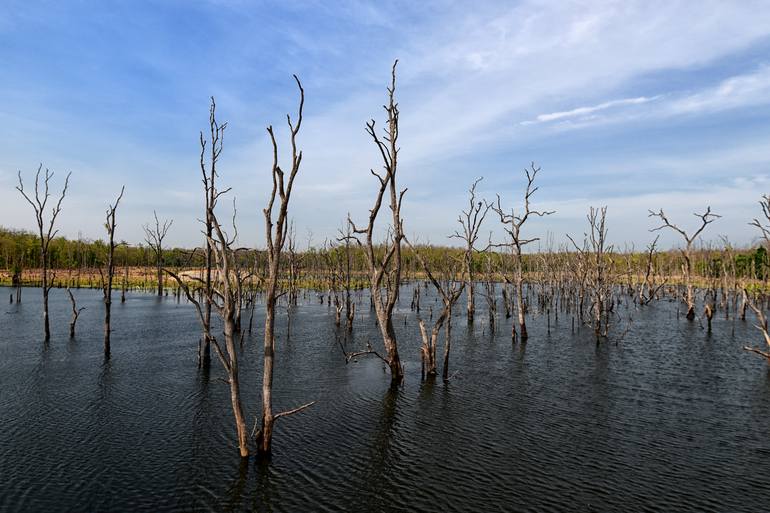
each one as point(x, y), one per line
point(634, 105)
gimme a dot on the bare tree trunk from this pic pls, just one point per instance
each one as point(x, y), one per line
point(447, 342)
point(107, 282)
point(520, 308)
point(235, 389)
point(75, 313)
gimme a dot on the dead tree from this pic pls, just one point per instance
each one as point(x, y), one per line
point(336, 277)
point(46, 231)
point(490, 291)
point(209, 176)
point(276, 235)
point(747, 298)
point(649, 289)
point(761, 326)
point(350, 307)
point(385, 265)
point(450, 291)
point(294, 266)
point(706, 218)
point(512, 224)
point(223, 295)
point(594, 256)
point(75, 313)
point(471, 221)
point(220, 289)
point(107, 281)
point(601, 282)
point(154, 238)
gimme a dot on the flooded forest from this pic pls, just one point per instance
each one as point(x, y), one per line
point(506, 368)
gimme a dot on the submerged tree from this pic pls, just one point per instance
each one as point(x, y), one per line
point(512, 224)
point(384, 264)
point(75, 313)
point(154, 237)
point(649, 289)
point(706, 218)
point(471, 221)
point(276, 234)
point(761, 325)
point(107, 281)
point(224, 297)
point(450, 291)
point(46, 232)
point(595, 255)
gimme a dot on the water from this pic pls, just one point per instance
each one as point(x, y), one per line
point(671, 418)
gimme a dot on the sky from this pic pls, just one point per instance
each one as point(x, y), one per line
point(635, 105)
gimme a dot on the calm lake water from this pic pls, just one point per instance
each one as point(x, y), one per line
point(672, 418)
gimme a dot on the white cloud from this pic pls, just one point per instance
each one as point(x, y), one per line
point(738, 91)
point(583, 112)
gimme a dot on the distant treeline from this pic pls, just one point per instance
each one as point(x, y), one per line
point(20, 250)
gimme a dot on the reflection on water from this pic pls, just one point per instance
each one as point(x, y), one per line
point(671, 418)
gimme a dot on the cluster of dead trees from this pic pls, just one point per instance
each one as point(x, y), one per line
point(584, 279)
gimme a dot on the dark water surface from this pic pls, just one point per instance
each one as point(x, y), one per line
point(670, 419)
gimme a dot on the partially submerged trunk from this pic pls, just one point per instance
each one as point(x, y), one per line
point(75, 313)
point(107, 282)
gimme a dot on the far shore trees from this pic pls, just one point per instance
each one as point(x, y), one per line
point(46, 231)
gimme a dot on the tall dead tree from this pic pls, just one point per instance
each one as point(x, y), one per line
point(512, 224)
point(220, 288)
point(46, 230)
point(471, 221)
point(276, 232)
point(209, 176)
point(107, 281)
point(706, 218)
point(384, 265)
point(154, 237)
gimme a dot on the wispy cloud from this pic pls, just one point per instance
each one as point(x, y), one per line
point(749, 89)
point(579, 112)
